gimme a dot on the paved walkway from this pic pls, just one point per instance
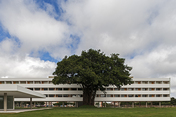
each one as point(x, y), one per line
point(21, 110)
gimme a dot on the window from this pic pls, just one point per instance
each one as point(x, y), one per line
point(8, 82)
point(144, 82)
point(46, 95)
point(151, 82)
point(79, 89)
point(37, 82)
point(151, 89)
point(29, 82)
point(144, 95)
point(165, 82)
point(59, 89)
point(123, 95)
point(9, 102)
point(30, 89)
point(80, 95)
point(51, 89)
point(130, 95)
point(15, 82)
point(158, 82)
point(1, 82)
point(65, 95)
point(73, 95)
point(116, 89)
point(151, 95)
point(44, 89)
point(158, 95)
point(37, 89)
point(130, 89)
point(66, 89)
point(165, 89)
point(165, 95)
point(158, 89)
point(116, 95)
point(44, 82)
point(137, 95)
point(123, 89)
point(102, 95)
point(144, 89)
point(50, 82)
point(109, 95)
point(73, 89)
point(137, 89)
point(58, 95)
point(51, 95)
point(22, 82)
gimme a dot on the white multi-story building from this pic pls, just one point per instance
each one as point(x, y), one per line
point(43, 90)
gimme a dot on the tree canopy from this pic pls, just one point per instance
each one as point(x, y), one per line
point(93, 70)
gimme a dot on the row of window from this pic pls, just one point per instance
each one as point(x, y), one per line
point(50, 82)
point(151, 82)
point(64, 95)
point(26, 82)
point(132, 95)
point(56, 89)
point(137, 89)
point(109, 95)
point(107, 89)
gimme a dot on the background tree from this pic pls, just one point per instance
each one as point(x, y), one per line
point(93, 70)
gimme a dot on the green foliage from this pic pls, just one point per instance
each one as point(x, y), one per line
point(93, 70)
point(173, 101)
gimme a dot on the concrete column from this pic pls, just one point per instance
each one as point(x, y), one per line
point(151, 104)
point(20, 104)
point(159, 104)
point(132, 104)
point(34, 104)
point(146, 105)
point(30, 103)
point(62, 104)
point(114, 104)
point(13, 104)
point(105, 104)
point(119, 104)
point(5, 101)
point(76, 104)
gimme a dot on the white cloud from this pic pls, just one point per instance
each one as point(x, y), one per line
point(26, 67)
point(35, 28)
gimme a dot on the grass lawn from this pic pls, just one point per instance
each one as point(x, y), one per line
point(98, 112)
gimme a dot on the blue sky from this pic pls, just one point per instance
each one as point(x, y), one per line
point(36, 34)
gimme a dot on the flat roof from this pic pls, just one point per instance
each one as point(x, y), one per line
point(19, 92)
point(50, 79)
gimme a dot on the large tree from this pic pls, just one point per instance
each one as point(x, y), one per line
point(93, 70)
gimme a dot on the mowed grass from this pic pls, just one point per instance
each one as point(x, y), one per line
point(98, 112)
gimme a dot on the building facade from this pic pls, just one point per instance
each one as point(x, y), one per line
point(142, 90)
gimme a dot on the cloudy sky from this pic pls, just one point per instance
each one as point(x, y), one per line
point(36, 34)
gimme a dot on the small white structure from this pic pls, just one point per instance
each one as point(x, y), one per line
point(142, 90)
point(9, 92)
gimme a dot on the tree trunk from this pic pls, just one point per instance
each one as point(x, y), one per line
point(88, 96)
